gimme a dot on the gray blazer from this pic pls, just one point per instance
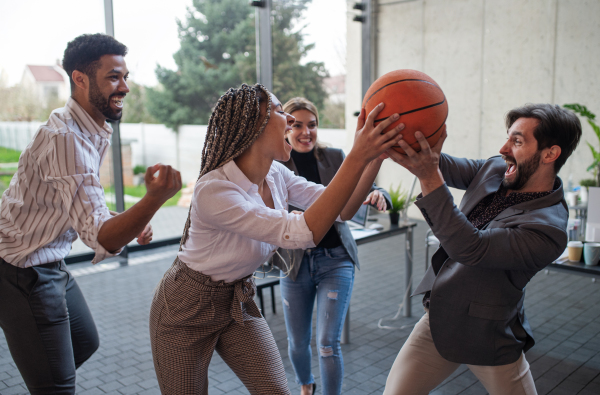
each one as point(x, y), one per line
point(329, 161)
point(477, 278)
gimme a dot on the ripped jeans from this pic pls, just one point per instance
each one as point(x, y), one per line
point(328, 275)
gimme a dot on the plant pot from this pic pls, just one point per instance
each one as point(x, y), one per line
point(138, 179)
point(394, 217)
point(583, 195)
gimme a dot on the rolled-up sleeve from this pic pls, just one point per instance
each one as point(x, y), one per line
point(222, 205)
point(79, 189)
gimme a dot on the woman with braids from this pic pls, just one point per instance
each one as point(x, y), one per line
point(324, 273)
point(238, 219)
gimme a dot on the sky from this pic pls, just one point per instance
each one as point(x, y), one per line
point(37, 31)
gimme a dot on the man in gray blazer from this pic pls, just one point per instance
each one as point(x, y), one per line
point(511, 224)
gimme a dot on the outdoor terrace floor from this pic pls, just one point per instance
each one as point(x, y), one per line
point(563, 309)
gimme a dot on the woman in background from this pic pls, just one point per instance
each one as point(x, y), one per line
point(238, 218)
point(325, 272)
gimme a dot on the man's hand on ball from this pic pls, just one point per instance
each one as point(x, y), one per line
point(423, 164)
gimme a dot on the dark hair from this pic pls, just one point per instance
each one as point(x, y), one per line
point(84, 53)
point(234, 125)
point(557, 126)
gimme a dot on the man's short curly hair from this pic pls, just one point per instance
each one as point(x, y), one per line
point(84, 53)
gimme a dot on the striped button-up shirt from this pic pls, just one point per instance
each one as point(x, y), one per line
point(56, 193)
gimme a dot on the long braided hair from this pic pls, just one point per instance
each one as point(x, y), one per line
point(232, 128)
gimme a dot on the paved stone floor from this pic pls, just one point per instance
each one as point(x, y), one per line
point(564, 311)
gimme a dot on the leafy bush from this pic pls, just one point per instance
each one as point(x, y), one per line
point(589, 182)
point(139, 169)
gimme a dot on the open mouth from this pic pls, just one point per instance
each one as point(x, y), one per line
point(117, 102)
point(286, 134)
point(511, 169)
point(305, 140)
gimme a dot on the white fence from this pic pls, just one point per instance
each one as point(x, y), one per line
point(17, 135)
point(151, 143)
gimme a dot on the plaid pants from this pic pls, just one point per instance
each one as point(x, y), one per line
point(191, 316)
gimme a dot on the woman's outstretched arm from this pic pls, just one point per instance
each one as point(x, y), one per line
point(369, 144)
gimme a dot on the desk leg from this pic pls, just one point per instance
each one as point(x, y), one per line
point(346, 329)
point(408, 266)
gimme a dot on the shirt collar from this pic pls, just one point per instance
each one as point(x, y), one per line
point(502, 191)
point(235, 175)
point(86, 122)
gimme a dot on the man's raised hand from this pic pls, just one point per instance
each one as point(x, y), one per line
point(423, 164)
point(163, 186)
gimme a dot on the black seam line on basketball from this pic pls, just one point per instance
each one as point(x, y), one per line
point(395, 82)
point(432, 134)
point(415, 110)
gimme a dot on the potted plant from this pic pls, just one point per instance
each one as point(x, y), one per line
point(400, 203)
point(594, 167)
point(138, 175)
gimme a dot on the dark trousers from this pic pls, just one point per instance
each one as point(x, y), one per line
point(47, 324)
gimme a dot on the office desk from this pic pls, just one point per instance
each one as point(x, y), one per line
point(564, 265)
point(404, 228)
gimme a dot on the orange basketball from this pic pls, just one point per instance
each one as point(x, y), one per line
point(416, 97)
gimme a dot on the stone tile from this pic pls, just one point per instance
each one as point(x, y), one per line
point(566, 356)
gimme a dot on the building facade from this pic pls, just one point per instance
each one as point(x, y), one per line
point(489, 57)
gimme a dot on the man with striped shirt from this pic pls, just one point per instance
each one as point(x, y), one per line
point(54, 197)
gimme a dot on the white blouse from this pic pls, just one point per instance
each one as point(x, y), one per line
point(233, 232)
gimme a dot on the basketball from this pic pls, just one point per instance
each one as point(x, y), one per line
point(416, 97)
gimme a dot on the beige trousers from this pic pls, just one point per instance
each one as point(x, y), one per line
point(419, 368)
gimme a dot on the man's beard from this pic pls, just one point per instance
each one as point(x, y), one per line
point(524, 171)
point(102, 103)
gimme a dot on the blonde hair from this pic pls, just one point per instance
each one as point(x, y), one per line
point(233, 126)
point(301, 103)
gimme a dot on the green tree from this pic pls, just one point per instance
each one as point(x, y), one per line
point(218, 51)
point(135, 109)
point(333, 115)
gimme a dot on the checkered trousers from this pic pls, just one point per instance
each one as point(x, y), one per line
point(191, 316)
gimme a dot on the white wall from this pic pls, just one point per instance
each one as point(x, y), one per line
point(488, 57)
